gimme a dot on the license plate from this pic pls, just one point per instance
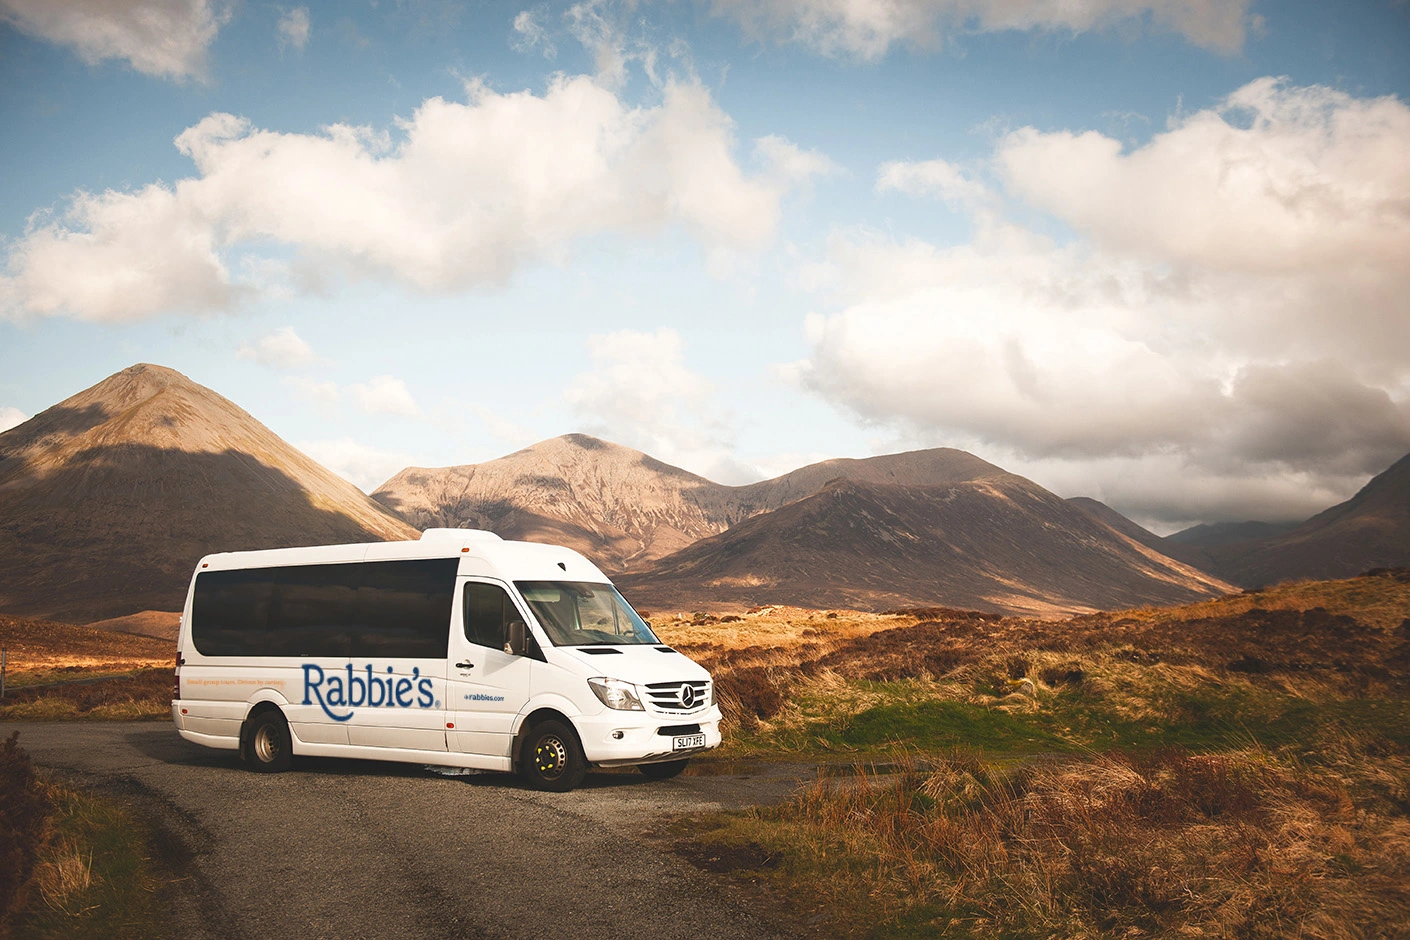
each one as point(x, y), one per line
point(687, 742)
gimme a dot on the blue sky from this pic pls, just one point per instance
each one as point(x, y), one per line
point(1149, 251)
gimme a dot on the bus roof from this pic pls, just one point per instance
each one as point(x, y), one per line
point(481, 553)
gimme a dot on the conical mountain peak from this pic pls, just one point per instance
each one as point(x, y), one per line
point(148, 471)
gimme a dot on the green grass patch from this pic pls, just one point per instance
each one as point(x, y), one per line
point(937, 724)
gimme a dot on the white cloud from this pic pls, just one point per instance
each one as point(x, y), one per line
point(365, 467)
point(640, 393)
point(282, 349)
point(293, 29)
point(867, 29)
point(931, 178)
point(116, 257)
point(465, 194)
point(165, 38)
point(1257, 344)
point(1275, 179)
point(385, 395)
point(531, 34)
point(790, 161)
point(323, 394)
point(10, 417)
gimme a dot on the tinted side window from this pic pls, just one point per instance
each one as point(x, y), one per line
point(379, 609)
point(230, 613)
point(315, 610)
point(405, 608)
point(487, 611)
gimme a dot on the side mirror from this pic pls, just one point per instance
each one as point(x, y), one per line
point(518, 638)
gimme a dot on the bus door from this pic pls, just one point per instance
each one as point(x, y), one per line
point(486, 688)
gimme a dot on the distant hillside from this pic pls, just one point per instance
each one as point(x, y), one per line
point(623, 508)
point(109, 498)
point(1000, 544)
point(1225, 533)
point(1370, 530)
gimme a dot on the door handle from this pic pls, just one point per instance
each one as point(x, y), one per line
point(465, 665)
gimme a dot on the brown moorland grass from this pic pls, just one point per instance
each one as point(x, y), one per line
point(1259, 661)
point(135, 695)
point(49, 643)
point(1234, 768)
point(1161, 844)
point(49, 664)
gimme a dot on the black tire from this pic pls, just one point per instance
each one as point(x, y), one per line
point(665, 770)
point(269, 749)
point(552, 758)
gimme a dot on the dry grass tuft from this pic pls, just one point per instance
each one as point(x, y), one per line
point(65, 875)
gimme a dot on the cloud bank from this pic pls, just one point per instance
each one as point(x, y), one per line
point(163, 38)
point(1231, 316)
point(867, 29)
point(462, 194)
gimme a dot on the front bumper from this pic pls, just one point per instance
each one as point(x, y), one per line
point(641, 740)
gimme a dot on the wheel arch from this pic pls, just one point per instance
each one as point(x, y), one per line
point(536, 717)
point(259, 707)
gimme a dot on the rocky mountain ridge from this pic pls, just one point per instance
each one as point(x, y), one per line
point(1005, 545)
point(624, 508)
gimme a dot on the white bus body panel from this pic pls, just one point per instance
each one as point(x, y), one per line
point(442, 714)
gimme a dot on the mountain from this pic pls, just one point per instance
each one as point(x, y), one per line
point(623, 508)
point(1219, 546)
point(1370, 530)
point(1104, 514)
point(108, 498)
point(614, 504)
point(1211, 534)
point(1000, 543)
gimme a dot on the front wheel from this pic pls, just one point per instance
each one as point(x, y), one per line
point(270, 749)
point(664, 770)
point(553, 759)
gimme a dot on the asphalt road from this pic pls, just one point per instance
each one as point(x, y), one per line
point(349, 849)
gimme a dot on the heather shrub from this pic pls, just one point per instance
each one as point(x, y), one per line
point(24, 808)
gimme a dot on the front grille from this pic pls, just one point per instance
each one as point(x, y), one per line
point(673, 730)
point(678, 696)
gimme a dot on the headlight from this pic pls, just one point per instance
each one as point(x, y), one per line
point(616, 694)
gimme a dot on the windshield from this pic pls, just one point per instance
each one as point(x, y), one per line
point(576, 613)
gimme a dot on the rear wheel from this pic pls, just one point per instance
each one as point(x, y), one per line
point(665, 770)
point(552, 758)
point(269, 749)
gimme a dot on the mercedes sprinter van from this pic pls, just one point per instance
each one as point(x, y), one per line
point(460, 649)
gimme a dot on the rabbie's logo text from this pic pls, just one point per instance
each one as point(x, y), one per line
point(354, 691)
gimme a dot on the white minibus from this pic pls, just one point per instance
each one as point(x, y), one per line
point(460, 649)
